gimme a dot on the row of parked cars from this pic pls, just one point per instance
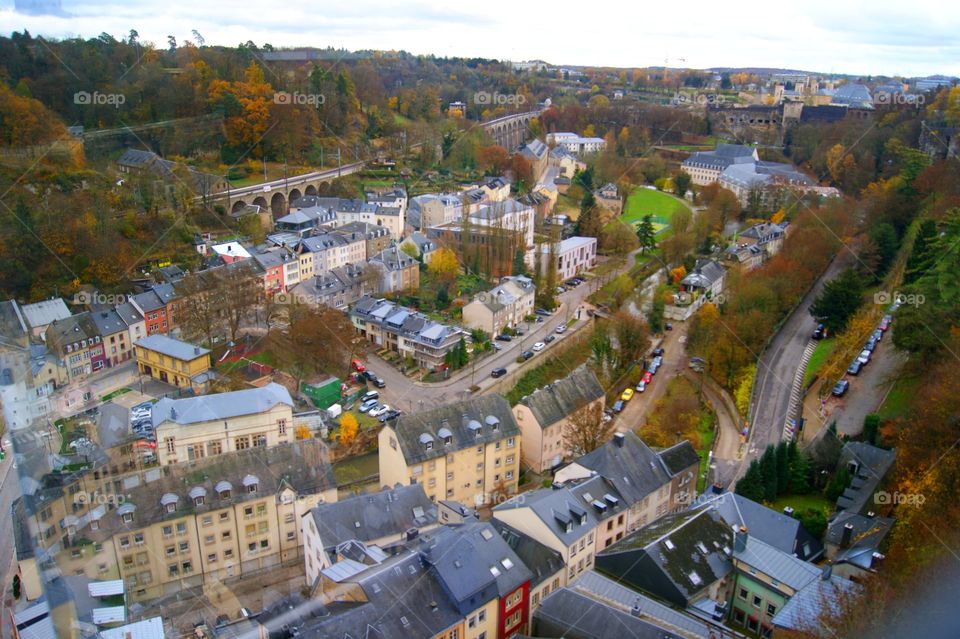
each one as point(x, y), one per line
point(645, 381)
point(370, 404)
point(840, 388)
point(141, 421)
point(573, 282)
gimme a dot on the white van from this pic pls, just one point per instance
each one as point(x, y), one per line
point(334, 411)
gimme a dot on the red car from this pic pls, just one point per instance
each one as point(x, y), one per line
point(358, 365)
point(647, 377)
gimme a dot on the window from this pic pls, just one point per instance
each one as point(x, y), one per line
point(187, 567)
point(228, 553)
point(259, 440)
point(510, 442)
point(482, 616)
point(212, 558)
point(472, 623)
point(742, 594)
point(291, 535)
point(208, 520)
point(124, 542)
point(225, 535)
point(509, 474)
point(248, 511)
point(214, 448)
point(127, 518)
point(241, 443)
point(173, 569)
point(224, 494)
point(264, 543)
point(289, 518)
point(209, 539)
point(181, 528)
point(771, 609)
point(509, 460)
point(757, 601)
point(261, 509)
point(282, 426)
point(171, 444)
point(170, 551)
point(138, 539)
point(225, 516)
point(184, 547)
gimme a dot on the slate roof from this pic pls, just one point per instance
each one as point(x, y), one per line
point(572, 614)
point(473, 563)
point(43, 313)
point(393, 259)
point(542, 561)
point(391, 511)
point(534, 148)
point(679, 457)
point(569, 511)
point(558, 400)
point(497, 210)
point(776, 563)
point(219, 406)
point(872, 465)
point(70, 330)
point(635, 469)
point(780, 531)
point(404, 599)
point(802, 611)
point(172, 347)
point(13, 324)
point(865, 539)
point(721, 157)
point(462, 420)
point(704, 274)
point(677, 557)
point(303, 466)
point(763, 232)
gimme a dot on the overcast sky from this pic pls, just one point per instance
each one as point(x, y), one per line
point(920, 37)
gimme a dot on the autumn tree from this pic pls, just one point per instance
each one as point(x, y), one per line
point(681, 183)
point(245, 105)
point(317, 340)
point(200, 309)
point(444, 266)
point(240, 291)
point(302, 431)
point(618, 238)
point(633, 336)
point(349, 427)
point(585, 430)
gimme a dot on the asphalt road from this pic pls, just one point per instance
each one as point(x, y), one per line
point(776, 370)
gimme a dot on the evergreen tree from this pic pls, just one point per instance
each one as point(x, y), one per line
point(519, 265)
point(800, 475)
point(751, 484)
point(783, 468)
point(768, 470)
point(836, 486)
point(646, 234)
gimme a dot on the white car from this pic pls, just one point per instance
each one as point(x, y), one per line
point(379, 410)
point(864, 357)
point(539, 346)
point(642, 386)
point(561, 329)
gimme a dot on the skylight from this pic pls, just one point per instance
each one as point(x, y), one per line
point(494, 571)
point(506, 563)
point(669, 544)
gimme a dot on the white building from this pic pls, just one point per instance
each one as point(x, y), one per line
point(576, 144)
point(504, 305)
point(574, 255)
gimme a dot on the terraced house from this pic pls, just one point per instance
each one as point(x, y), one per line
point(403, 331)
point(468, 452)
point(173, 362)
point(210, 425)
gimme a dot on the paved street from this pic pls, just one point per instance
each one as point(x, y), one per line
point(634, 415)
point(776, 370)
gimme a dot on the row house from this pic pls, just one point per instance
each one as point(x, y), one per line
point(306, 219)
point(158, 306)
point(409, 333)
point(77, 345)
point(424, 247)
point(174, 362)
point(434, 209)
point(577, 519)
point(377, 238)
point(40, 315)
point(653, 483)
point(468, 452)
point(338, 288)
point(281, 269)
point(210, 425)
point(318, 254)
point(392, 210)
point(507, 304)
point(546, 413)
point(115, 334)
point(398, 271)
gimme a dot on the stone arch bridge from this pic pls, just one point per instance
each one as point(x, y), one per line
point(509, 131)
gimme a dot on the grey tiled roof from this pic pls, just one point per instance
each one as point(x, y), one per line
point(192, 410)
point(679, 457)
point(391, 511)
point(803, 611)
point(473, 562)
point(777, 529)
point(558, 400)
point(568, 612)
point(542, 561)
point(872, 465)
point(635, 469)
point(777, 564)
point(704, 274)
point(172, 347)
point(462, 420)
point(45, 312)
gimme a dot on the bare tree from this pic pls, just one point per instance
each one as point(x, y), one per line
point(240, 292)
point(585, 429)
point(633, 336)
point(199, 310)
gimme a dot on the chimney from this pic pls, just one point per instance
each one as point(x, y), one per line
point(740, 539)
point(618, 439)
point(826, 572)
point(173, 413)
point(196, 350)
point(556, 485)
point(412, 533)
point(846, 535)
point(788, 511)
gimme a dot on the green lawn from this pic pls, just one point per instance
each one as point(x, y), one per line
point(820, 356)
point(356, 468)
point(645, 201)
point(707, 432)
point(800, 503)
point(898, 399)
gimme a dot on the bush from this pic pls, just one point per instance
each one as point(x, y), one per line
point(814, 521)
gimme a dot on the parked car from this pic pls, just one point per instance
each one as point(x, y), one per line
point(855, 366)
point(627, 394)
point(668, 326)
point(379, 410)
point(498, 372)
point(870, 345)
point(519, 331)
point(526, 354)
point(367, 405)
point(542, 312)
point(864, 357)
point(560, 330)
point(658, 352)
point(840, 388)
point(819, 331)
point(497, 347)
point(549, 338)
point(658, 360)
point(539, 346)
point(560, 290)
point(647, 377)
point(379, 383)
point(885, 322)
point(387, 416)
point(618, 406)
point(878, 335)
point(503, 337)
point(370, 395)
point(642, 386)
point(358, 366)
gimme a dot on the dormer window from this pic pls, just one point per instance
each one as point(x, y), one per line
point(199, 495)
point(426, 439)
point(250, 482)
point(169, 502)
point(224, 489)
point(446, 436)
point(126, 512)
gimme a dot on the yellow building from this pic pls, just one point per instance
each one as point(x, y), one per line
point(173, 362)
point(209, 425)
point(467, 452)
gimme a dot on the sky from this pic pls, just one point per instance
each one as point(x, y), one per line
point(914, 38)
